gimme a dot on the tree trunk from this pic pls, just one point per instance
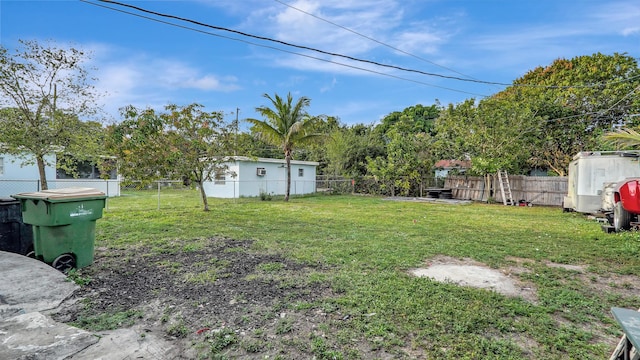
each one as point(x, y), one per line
point(203, 195)
point(43, 175)
point(558, 171)
point(287, 158)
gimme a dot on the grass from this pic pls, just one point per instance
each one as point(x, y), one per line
point(369, 244)
point(108, 321)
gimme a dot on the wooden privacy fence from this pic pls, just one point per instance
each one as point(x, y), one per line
point(537, 190)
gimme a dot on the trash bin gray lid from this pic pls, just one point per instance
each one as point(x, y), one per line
point(66, 193)
point(7, 199)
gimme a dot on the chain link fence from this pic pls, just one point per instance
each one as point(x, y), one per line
point(168, 193)
point(10, 187)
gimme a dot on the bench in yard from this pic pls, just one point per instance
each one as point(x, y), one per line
point(628, 347)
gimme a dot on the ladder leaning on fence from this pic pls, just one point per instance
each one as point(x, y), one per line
point(505, 188)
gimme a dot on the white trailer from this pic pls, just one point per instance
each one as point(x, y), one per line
point(591, 175)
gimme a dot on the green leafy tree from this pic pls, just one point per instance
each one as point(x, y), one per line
point(184, 142)
point(251, 144)
point(408, 158)
point(199, 142)
point(580, 99)
point(494, 134)
point(316, 150)
point(400, 169)
point(286, 125)
point(46, 88)
point(140, 146)
point(86, 146)
point(418, 118)
point(347, 149)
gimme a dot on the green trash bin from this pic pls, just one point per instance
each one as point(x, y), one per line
point(64, 224)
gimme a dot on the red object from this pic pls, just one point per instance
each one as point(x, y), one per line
point(628, 192)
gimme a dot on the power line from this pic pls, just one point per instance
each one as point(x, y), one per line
point(329, 53)
point(599, 112)
point(298, 46)
point(374, 40)
point(282, 50)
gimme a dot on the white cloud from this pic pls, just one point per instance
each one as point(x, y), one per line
point(366, 17)
point(302, 23)
point(144, 81)
point(176, 74)
point(329, 86)
point(419, 42)
point(619, 17)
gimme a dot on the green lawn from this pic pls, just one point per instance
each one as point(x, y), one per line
point(364, 246)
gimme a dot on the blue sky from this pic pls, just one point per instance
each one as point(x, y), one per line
point(150, 64)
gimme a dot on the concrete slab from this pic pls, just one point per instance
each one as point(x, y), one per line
point(36, 336)
point(470, 275)
point(466, 272)
point(28, 285)
point(131, 343)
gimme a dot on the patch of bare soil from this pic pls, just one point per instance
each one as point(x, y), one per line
point(223, 299)
point(629, 285)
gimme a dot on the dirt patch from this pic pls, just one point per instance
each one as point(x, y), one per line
point(600, 282)
point(467, 272)
point(576, 268)
point(224, 297)
point(506, 281)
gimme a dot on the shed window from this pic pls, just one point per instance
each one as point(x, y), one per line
point(220, 178)
point(300, 172)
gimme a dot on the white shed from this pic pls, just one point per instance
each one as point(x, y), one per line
point(249, 177)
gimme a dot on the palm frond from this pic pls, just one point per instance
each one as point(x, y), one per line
point(628, 138)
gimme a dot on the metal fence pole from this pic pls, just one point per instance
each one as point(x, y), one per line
point(106, 202)
point(158, 194)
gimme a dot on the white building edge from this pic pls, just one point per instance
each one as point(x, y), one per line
point(17, 178)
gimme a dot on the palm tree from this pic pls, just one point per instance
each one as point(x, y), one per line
point(628, 138)
point(287, 124)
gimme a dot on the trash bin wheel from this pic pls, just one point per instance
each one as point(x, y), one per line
point(64, 262)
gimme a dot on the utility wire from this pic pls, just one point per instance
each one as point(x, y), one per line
point(297, 46)
point(599, 112)
point(282, 50)
point(335, 54)
point(369, 70)
point(374, 40)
